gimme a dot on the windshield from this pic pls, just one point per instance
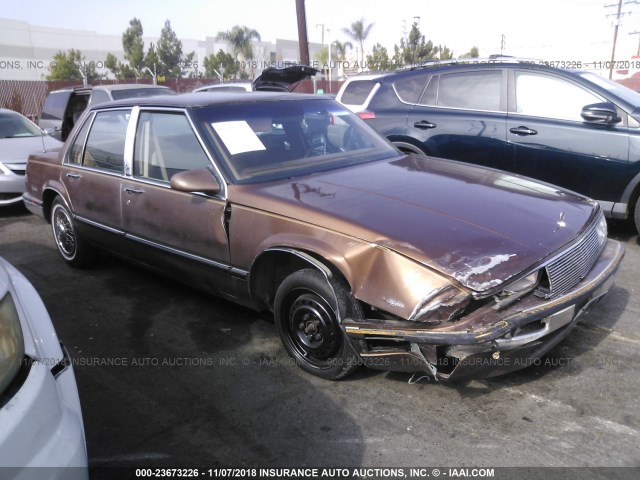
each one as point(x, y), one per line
point(624, 93)
point(272, 140)
point(13, 125)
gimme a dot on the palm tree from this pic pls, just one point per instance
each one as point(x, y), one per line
point(341, 49)
point(359, 33)
point(240, 39)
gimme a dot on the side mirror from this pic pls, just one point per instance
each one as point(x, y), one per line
point(604, 113)
point(201, 180)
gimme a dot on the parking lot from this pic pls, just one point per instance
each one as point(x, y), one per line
point(169, 376)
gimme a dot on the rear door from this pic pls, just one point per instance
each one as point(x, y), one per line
point(93, 173)
point(549, 140)
point(462, 116)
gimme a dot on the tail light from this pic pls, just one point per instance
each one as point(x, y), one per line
point(366, 115)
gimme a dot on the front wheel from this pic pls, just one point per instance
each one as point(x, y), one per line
point(73, 248)
point(308, 325)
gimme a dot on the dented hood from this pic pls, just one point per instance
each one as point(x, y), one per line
point(477, 225)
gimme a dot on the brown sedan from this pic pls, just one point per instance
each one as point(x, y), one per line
point(290, 203)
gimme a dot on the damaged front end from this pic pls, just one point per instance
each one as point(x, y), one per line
point(456, 334)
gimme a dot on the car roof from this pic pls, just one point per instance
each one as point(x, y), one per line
point(115, 86)
point(202, 99)
point(129, 86)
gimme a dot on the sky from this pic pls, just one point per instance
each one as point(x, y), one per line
point(567, 30)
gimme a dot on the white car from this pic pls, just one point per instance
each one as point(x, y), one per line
point(19, 137)
point(40, 416)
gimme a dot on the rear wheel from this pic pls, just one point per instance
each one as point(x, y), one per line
point(307, 323)
point(73, 248)
point(636, 216)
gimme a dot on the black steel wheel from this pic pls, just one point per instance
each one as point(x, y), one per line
point(308, 324)
point(73, 248)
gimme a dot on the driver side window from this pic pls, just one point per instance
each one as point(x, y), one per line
point(546, 96)
point(166, 145)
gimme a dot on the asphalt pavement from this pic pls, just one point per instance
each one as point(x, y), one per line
point(169, 376)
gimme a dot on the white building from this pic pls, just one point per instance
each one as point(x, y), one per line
point(26, 51)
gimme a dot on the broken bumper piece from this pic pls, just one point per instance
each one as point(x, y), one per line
point(487, 342)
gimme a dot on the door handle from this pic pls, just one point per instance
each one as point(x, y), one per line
point(73, 175)
point(133, 191)
point(523, 131)
point(424, 124)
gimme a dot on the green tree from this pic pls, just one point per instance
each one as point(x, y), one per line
point(240, 39)
point(417, 49)
point(151, 61)
point(379, 58)
point(473, 53)
point(221, 63)
point(119, 70)
point(133, 46)
point(71, 65)
point(359, 32)
point(169, 52)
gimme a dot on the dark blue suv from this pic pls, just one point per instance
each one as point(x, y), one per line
point(571, 128)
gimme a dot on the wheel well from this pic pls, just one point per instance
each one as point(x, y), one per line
point(273, 266)
point(408, 145)
point(48, 196)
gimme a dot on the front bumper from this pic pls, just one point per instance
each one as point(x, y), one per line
point(12, 187)
point(483, 344)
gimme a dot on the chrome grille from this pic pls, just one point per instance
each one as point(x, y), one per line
point(574, 264)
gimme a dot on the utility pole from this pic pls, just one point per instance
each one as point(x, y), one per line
point(615, 39)
point(616, 24)
point(303, 41)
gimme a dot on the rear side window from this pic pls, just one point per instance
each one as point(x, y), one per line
point(356, 92)
point(470, 90)
point(166, 145)
point(409, 89)
point(105, 144)
point(75, 153)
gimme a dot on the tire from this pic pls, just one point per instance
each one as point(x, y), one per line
point(72, 247)
point(308, 325)
point(636, 216)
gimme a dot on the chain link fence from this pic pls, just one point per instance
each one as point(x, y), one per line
point(27, 97)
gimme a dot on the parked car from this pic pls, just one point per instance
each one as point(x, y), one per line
point(272, 79)
point(567, 127)
point(19, 136)
point(365, 255)
point(62, 108)
point(40, 410)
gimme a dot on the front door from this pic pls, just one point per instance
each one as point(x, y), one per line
point(549, 140)
point(169, 228)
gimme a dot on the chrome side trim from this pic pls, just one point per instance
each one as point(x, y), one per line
point(98, 225)
point(180, 253)
point(212, 263)
point(130, 140)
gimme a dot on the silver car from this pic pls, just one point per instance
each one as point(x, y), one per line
point(40, 417)
point(19, 137)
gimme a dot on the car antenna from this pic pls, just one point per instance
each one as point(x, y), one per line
point(42, 134)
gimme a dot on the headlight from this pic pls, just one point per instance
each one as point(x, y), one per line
point(441, 306)
point(524, 284)
point(11, 342)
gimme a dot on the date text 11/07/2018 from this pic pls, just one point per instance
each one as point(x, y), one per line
point(317, 473)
